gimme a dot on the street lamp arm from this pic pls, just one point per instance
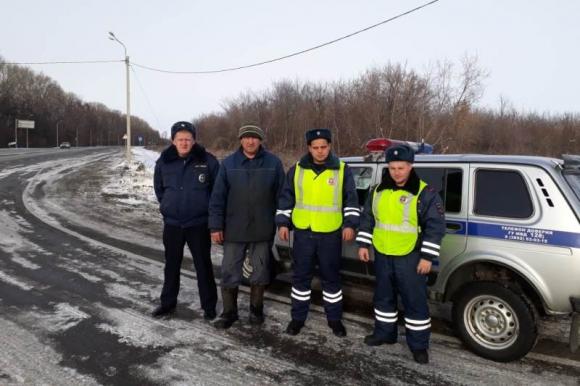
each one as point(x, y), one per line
point(113, 37)
point(128, 143)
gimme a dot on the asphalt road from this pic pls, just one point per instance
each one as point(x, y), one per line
point(79, 276)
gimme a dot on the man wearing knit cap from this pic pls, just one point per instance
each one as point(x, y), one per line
point(403, 220)
point(319, 201)
point(183, 180)
point(251, 131)
point(241, 216)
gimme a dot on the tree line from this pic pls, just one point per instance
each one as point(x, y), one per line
point(27, 95)
point(438, 106)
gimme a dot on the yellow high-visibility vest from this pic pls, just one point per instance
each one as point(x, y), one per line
point(396, 221)
point(318, 199)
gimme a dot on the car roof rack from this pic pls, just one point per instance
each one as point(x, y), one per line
point(571, 162)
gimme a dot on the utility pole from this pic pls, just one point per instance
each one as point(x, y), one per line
point(127, 63)
point(57, 123)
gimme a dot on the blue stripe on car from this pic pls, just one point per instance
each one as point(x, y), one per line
point(515, 233)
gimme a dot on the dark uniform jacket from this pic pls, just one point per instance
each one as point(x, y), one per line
point(243, 202)
point(183, 185)
point(287, 200)
point(430, 215)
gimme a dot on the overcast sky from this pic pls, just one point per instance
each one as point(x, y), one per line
point(529, 47)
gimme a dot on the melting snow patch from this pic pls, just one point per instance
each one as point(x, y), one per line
point(113, 275)
point(25, 360)
point(145, 156)
point(63, 317)
point(89, 277)
point(125, 292)
point(11, 239)
point(131, 201)
point(135, 185)
point(25, 263)
point(137, 330)
point(66, 316)
point(15, 282)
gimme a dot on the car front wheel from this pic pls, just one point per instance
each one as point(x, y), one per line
point(494, 322)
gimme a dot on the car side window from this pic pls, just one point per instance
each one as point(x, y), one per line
point(502, 193)
point(447, 182)
point(454, 185)
point(363, 178)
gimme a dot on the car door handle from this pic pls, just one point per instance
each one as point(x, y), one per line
point(453, 227)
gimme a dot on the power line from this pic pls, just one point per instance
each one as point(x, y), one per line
point(66, 62)
point(292, 54)
point(229, 69)
point(146, 98)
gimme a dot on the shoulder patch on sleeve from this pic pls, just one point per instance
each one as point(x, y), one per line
point(430, 188)
point(439, 207)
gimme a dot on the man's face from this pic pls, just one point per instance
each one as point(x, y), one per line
point(400, 171)
point(183, 141)
point(319, 149)
point(250, 145)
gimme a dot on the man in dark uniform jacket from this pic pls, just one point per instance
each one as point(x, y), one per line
point(183, 181)
point(319, 201)
point(403, 219)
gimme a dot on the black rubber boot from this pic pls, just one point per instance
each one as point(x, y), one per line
point(374, 340)
point(257, 304)
point(421, 356)
point(294, 327)
point(230, 312)
point(209, 315)
point(337, 328)
point(162, 311)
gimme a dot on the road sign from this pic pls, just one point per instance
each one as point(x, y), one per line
point(25, 124)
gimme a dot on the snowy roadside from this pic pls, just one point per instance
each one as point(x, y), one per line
point(109, 197)
point(136, 186)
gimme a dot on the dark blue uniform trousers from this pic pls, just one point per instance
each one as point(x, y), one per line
point(199, 242)
point(397, 275)
point(325, 249)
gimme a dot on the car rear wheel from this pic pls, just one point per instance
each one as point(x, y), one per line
point(494, 322)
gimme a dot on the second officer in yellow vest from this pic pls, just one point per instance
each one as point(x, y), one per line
point(403, 219)
point(319, 201)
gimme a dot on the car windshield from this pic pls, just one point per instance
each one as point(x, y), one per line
point(573, 179)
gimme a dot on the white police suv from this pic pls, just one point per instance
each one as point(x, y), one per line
point(512, 249)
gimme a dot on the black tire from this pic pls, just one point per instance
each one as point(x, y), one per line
point(494, 322)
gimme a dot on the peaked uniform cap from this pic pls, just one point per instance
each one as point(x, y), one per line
point(182, 126)
point(313, 134)
point(400, 153)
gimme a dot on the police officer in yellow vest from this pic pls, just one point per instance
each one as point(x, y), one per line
point(403, 219)
point(319, 201)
